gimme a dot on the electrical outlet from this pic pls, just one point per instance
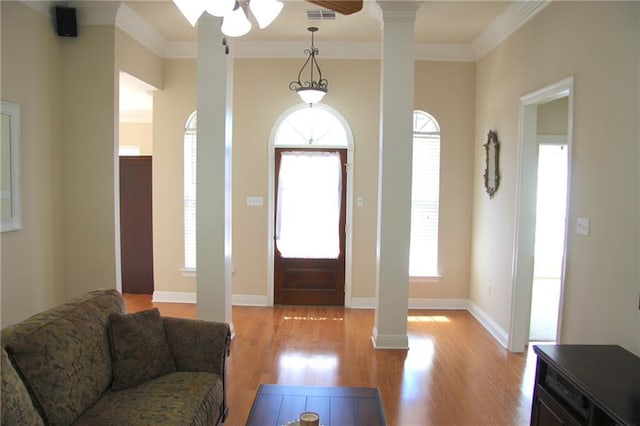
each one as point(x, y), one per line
point(360, 202)
point(255, 201)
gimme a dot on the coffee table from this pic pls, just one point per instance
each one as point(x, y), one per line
point(276, 405)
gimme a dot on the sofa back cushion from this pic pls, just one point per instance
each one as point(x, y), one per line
point(17, 408)
point(63, 354)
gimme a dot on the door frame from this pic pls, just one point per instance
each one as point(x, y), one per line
point(525, 221)
point(271, 198)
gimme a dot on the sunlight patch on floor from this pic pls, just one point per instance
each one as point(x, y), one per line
point(312, 319)
point(428, 318)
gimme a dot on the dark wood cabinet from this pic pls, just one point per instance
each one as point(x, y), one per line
point(586, 385)
point(136, 224)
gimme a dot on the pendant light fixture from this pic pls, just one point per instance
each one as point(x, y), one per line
point(312, 90)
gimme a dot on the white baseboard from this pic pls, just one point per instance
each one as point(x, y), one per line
point(445, 304)
point(487, 322)
point(174, 297)
point(190, 297)
point(379, 341)
point(363, 303)
point(249, 300)
point(389, 341)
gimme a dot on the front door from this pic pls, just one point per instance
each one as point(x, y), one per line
point(310, 220)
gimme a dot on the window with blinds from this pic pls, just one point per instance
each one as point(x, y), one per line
point(425, 196)
point(190, 143)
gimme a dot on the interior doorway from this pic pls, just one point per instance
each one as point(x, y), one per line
point(134, 230)
point(532, 122)
point(549, 239)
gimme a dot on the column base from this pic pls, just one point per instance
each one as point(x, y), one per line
point(389, 341)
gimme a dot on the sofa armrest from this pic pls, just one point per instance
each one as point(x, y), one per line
point(198, 345)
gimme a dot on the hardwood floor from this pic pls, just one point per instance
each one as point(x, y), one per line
point(454, 374)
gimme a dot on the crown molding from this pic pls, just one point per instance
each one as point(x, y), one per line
point(43, 7)
point(515, 16)
point(139, 29)
point(115, 12)
point(96, 12)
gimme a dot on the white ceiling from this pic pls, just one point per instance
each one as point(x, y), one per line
point(438, 21)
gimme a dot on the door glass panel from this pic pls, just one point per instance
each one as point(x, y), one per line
point(308, 210)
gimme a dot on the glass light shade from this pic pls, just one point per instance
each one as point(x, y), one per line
point(236, 23)
point(191, 9)
point(265, 11)
point(310, 96)
point(219, 7)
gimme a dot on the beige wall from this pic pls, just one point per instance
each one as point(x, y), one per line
point(354, 93)
point(89, 82)
point(32, 262)
point(447, 91)
point(172, 106)
point(137, 134)
point(597, 43)
point(137, 60)
point(553, 117)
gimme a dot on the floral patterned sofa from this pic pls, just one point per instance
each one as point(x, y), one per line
point(87, 362)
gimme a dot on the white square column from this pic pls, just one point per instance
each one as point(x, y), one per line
point(394, 174)
point(213, 179)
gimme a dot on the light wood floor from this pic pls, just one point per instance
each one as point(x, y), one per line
point(454, 374)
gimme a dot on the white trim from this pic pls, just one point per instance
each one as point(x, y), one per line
point(489, 324)
point(363, 302)
point(514, 17)
point(445, 304)
point(43, 7)
point(425, 280)
point(379, 341)
point(545, 139)
point(249, 300)
point(524, 228)
point(140, 30)
point(173, 297)
point(271, 199)
point(191, 297)
point(389, 341)
point(102, 13)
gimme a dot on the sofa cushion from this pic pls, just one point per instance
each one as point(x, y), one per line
point(17, 408)
point(181, 398)
point(64, 355)
point(139, 348)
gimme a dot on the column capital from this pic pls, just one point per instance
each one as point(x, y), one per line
point(399, 10)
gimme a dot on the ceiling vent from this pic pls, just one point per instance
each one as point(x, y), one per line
point(321, 15)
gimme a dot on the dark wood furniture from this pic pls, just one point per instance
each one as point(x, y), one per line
point(276, 405)
point(136, 224)
point(586, 385)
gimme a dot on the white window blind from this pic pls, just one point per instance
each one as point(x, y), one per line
point(190, 144)
point(425, 196)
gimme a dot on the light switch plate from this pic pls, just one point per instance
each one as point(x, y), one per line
point(360, 202)
point(582, 227)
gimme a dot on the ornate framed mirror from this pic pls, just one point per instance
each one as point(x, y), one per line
point(10, 167)
point(492, 168)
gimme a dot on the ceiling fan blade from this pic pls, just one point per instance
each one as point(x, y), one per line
point(344, 7)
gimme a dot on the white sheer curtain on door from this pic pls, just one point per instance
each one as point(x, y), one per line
point(308, 208)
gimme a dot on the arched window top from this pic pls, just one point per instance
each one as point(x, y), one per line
point(424, 123)
point(192, 122)
point(315, 126)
